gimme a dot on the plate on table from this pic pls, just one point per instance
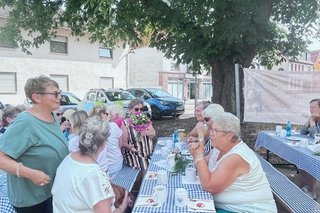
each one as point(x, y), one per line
point(201, 205)
point(146, 201)
point(151, 175)
point(314, 148)
point(292, 138)
point(162, 143)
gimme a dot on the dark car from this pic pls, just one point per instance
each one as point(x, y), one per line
point(69, 101)
point(161, 102)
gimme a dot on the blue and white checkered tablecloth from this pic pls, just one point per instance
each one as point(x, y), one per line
point(174, 181)
point(302, 157)
point(5, 206)
point(169, 205)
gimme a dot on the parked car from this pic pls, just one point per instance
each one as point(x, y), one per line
point(68, 101)
point(109, 97)
point(2, 106)
point(161, 102)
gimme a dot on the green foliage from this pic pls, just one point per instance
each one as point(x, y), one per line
point(203, 33)
point(181, 164)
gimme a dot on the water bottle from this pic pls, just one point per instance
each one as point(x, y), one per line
point(175, 136)
point(288, 129)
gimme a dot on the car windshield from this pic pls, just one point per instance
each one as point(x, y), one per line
point(69, 99)
point(119, 95)
point(158, 93)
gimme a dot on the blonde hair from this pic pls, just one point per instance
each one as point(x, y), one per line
point(97, 110)
point(77, 119)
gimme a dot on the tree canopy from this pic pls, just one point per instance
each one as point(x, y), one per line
point(210, 33)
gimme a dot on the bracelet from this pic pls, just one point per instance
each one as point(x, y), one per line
point(197, 160)
point(201, 139)
point(121, 209)
point(18, 169)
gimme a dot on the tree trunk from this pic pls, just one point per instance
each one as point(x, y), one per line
point(223, 85)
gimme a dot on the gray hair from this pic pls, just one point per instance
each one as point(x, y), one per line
point(77, 119)
point(94, 132)
point(134, 102)
point(212, 110)
point(38, 85)
point(116, 109)
point(204, 104)
point(228, 123)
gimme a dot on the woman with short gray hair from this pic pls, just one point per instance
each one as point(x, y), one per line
point(33, 147)
point(232, 172)
point(86, 187)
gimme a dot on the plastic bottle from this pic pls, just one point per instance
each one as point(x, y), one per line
point(288, 129)
point(175, 136)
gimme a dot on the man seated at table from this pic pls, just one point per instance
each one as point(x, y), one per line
point(232, 171)
point(306, 181)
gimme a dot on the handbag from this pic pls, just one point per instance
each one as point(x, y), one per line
point(119, 192)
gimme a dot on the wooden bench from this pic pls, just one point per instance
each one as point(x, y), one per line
point(286, 192)
point(126, 177)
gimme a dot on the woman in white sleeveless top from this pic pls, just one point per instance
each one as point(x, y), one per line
point(232, 172)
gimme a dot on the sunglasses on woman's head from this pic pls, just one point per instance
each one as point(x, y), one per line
point(58, 113)
point(138, 109)
point(206, 119)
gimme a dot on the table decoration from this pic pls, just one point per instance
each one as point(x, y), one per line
point(139, 121)
point(181, 164)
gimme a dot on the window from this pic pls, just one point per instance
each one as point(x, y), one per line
point(8, 82)
point(105, 82)
point(59, 44)
point(62, 80)
point(105, 52)
point(175, 87)
point(4, 43)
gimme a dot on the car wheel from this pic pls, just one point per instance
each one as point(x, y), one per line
point(155, 113)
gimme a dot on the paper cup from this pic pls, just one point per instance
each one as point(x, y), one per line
point(190, 174)
point(278, 130)
point(162, 177)
point(181, 197)
point(160, 193)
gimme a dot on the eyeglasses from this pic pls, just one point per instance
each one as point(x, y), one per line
point(58, 114)
point(56, 93)
point(215, 131)
point(138, 109)
point(206, 119)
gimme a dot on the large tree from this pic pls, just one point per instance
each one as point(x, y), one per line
point(214, 34)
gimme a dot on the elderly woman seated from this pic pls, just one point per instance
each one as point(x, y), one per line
point(232, 172)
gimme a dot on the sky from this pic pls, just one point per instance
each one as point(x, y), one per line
point(315, 45)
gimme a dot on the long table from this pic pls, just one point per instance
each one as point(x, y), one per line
point(174, 181)
point(302, 157)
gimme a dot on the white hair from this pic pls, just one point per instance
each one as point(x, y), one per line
point(212, 110)
point(228, 122)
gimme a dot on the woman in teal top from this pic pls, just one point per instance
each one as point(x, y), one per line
point(33, 147)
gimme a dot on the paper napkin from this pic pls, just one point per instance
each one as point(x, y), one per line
point(195, 205)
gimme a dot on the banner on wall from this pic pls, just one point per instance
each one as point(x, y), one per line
point(279, 96)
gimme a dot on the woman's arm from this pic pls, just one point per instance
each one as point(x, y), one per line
point(124, 139)
point(150, 131)
point(224, 175)
point(104, 206)
point(13, 167)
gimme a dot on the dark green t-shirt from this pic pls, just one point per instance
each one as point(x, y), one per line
point(39, 145)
